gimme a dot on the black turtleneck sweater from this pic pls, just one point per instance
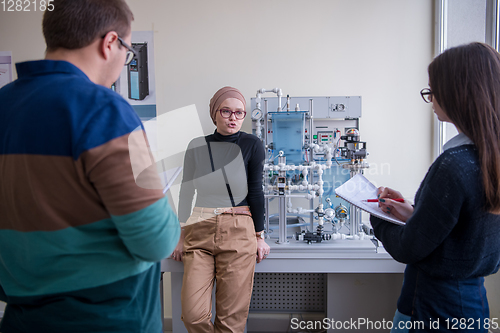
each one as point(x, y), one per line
point(224, 171)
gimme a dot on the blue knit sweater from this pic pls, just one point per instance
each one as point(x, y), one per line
point(449, 235)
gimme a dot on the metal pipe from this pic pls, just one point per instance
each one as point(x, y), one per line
point(282, 205)
point(266, 122)
point(310, 129)
point(279, 93)
point(311, 153)
point(304, 129)
point(311, 214)
point(355, 214)
point(496, 36)
point(288, 195)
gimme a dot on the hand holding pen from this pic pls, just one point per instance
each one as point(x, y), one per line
point(392, 202)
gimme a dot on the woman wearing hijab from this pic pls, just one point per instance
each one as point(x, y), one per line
point(451, 238)
point(223, 236)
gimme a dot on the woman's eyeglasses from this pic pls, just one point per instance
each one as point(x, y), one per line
point(226, 113)
point(426, 94)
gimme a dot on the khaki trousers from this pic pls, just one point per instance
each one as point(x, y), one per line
point(217, 248)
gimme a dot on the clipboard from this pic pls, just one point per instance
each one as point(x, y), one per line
point(357, 189)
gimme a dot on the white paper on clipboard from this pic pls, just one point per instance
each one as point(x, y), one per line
point(356, 190)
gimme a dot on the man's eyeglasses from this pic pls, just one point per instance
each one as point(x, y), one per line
point(426, 94)
point(226, 113)
point(130, 52)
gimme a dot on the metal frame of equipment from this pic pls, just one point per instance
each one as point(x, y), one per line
point(306, 161)
point(312, 146)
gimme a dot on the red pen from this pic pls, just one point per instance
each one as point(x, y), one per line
point(377, 200)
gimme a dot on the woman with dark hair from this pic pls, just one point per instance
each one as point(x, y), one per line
point(451, 239)
point(223, 236)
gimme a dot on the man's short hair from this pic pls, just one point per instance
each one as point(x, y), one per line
point(74, 24)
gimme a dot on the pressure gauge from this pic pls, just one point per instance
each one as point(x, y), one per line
point(256, 114)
